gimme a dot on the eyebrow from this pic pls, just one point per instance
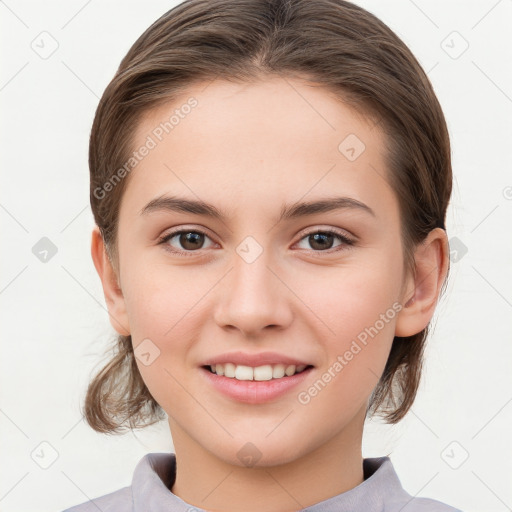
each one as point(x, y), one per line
point(292, 211)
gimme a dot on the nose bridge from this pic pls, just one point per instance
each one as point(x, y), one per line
point(251, 281)
point(252, 296)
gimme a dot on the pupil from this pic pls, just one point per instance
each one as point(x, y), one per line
point(319, 237)
point(190, 238)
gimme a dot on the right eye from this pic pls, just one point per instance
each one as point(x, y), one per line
point(190, 240)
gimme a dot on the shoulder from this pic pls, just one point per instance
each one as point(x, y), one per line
point(152, 478)
point(388, 491)
point(117, 501)
point(426, 505)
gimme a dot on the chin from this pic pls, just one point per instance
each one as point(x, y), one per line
point(256, 451)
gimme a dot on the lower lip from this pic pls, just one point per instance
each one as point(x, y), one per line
point(254, 391)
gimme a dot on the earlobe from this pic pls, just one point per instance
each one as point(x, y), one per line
point(109, 280)
point(431, 262)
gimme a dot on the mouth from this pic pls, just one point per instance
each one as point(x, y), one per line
point(258, 373)
point(255, 384)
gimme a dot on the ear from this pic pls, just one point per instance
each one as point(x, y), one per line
point(110, 282)
point(431, 262)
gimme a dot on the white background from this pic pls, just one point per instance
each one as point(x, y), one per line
point(53, 320)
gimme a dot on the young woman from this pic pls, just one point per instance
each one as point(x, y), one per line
point(269, 180)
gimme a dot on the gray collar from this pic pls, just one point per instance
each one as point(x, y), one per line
point(155, 474)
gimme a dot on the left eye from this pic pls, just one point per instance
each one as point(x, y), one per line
point(192, 240)
point(324, 239)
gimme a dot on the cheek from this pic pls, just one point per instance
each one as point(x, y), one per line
point(359, 308)
point(349, 299)
point(161, 300)
point(160, 307)
point(355, 359)
point(163, 306)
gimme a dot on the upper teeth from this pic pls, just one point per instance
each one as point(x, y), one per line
point(265, 372)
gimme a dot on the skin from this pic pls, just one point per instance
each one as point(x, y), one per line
point(249, 149)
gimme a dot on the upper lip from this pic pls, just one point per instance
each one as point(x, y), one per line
point(256, 359)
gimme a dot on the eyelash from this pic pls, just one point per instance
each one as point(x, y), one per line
point(347, 242)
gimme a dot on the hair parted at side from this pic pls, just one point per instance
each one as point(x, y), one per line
point(334, 43)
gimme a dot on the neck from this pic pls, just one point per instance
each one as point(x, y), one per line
point(207, 482)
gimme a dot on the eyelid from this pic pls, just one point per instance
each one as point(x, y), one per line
point(319, 228)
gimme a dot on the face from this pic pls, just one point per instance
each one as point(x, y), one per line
point(316, 286)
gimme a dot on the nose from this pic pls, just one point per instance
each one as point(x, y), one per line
point(254, 297)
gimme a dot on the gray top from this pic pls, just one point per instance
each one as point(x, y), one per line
point(154, 476)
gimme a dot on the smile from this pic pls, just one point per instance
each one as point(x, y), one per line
point(255, 385)
point(258, 373)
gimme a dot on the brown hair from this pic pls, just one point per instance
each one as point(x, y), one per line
point(334, 43)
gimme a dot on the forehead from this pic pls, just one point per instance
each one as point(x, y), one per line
point(299, 111)
point(238, 145)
